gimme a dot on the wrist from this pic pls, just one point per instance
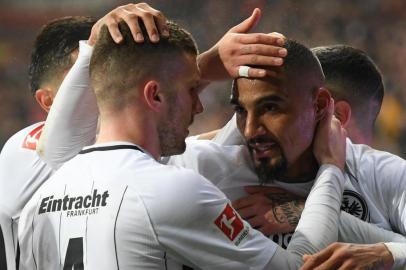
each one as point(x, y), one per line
point(333, 162)
point(386, 256)
point(211, 66)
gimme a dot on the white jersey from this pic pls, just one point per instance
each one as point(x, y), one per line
point(375, 188)
point(115, 207)
point(22, 172)
point(82, 121)
point(374, 191)
point(7, 252)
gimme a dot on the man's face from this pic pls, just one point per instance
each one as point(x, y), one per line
point(183, 103)
point(277, 119)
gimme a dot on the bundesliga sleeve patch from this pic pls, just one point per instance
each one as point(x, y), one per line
point(30, 142)
point(230, 223)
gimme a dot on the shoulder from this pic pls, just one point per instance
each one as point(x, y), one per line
point(360, 155)
point(25, 139)
point(176, 193)
point(229, 134)
point(368, 163)
point(213, 160)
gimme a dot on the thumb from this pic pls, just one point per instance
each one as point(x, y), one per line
point(248, 23)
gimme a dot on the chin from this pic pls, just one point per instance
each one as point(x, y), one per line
point(270, 169)
point(173, 150)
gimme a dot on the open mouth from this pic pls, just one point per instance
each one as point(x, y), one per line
point(263, 149)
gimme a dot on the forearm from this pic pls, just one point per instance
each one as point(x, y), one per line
point(320, 215)
point(210, 65)
point(354, 230)
point(321, 212)
point(72, 120)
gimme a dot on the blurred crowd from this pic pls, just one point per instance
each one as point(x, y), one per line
point(376, 26)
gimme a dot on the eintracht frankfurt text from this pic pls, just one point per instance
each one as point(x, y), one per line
point(76, 206)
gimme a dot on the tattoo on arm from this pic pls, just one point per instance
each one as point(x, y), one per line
point(288, 212)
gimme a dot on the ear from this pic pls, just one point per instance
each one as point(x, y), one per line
point(153, 95)
point(45, 98)
point(323, 99)
point(342, 110)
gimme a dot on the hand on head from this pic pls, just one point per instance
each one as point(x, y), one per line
point(239, 48)
point(154, 21)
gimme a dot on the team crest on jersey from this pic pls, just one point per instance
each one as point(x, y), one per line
point(31, 140)
point(354, 204)
point(230, 223)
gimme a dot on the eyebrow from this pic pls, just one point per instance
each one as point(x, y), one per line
point(260, 101)
point(270, 98)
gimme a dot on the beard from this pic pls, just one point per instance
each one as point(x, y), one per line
point(269, 169)
point(268, 172)
point(170, 133)
point(171, 142)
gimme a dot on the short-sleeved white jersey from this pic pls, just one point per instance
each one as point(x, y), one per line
point(115, 207)
point(22, 172)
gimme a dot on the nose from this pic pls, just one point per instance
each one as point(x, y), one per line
point(253, 127)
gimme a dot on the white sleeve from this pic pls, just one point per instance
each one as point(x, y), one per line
point(398, 251)
point(321, 215)
point(390, 182)
point(201, 227)
point(72, 121)
point(354, 230)
point(229, 134)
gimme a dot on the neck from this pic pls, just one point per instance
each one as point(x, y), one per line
point(123, 126)
point(303, 170)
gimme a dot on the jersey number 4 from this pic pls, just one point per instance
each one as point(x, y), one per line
point(74, 255)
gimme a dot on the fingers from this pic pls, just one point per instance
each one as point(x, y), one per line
point(315, 260)
point(250, 200)
point(262, 49)
point(260, 38)
point(131, 20)
point(248, 23)
point(244, 202)
point(257, 222)
point(255, 72)
point(278, 35)
point(259, 60)
point(247, 212)
point(328, 116)
point(114, 32)
point(154, 21)
point(328, 263)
